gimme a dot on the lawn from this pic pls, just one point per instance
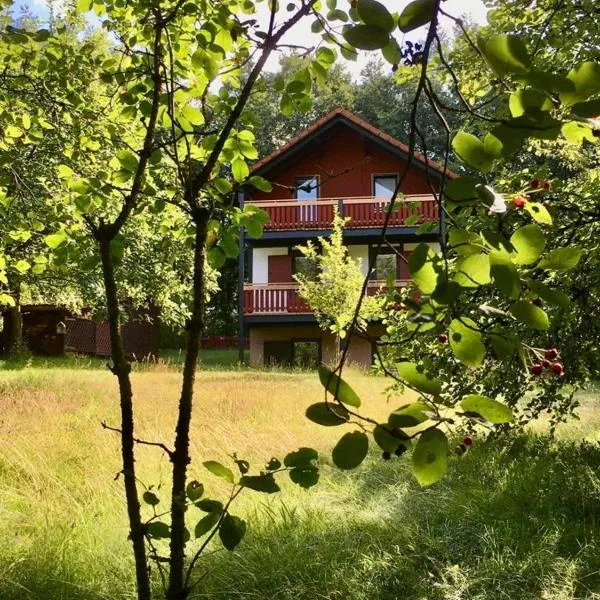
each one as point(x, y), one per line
point(517, 518)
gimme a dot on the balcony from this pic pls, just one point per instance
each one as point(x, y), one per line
point(366, 212)
point(284, 298)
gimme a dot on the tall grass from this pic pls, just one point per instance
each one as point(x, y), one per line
point(514, 519)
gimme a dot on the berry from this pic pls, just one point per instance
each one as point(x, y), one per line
point(551, 354)
point(443, 338)
point(468, 441)
point(536, 369)
point(545, 363)
point(557, 369)
point(547, 186)
point(460, 449)
point(535, 184)
point(538, 302)
point(518, 202)
point(386, 455)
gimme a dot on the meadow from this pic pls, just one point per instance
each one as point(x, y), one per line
point(516, 518)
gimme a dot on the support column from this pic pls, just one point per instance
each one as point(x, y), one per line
point(241, 257)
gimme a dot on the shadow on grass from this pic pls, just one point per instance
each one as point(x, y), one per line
point(517, 518)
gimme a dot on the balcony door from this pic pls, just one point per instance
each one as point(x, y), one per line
point(307, 188)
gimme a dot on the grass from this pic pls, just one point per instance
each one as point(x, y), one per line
point(515, 519)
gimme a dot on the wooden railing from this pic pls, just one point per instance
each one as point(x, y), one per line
point(363, 212)
point(284, 298)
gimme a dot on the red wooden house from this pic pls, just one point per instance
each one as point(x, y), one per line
point(343, 161)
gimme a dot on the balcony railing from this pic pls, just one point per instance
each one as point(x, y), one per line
point(284, 298)
point(363, 212)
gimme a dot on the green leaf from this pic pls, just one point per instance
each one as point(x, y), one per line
point(232, 531)
point(530, 314)
point(128, 160)
point(470, 150)
point(366, 37)
point(337, 387)
point(13, 132)
point(22, 266)
point(462, 188)
point(328, 415)
point(351, 450)
point(240, 169)
point(416, 14)
point(83, 6)
point(305, 476)
point(504, 274)
point(587, 110)
point(548, 82)
point(528, 101)
point(539, 212)
point(491, 410)
point(576, 132)
point(503, 343)
point(430, 458)
point(410, 415)
point(561, 259)
point(150, 498)
point(529, 242)
point(372, 12)
point(216, 257)
point(473, 271)
point(502, 141)
point(210, 506)
point(301, 458)
point(158, 530)
point(392, 52)
point(260, 183)
point(419, 378)
point(194, 490)
point(193, 114)
point(219, 470)
point(548, 294)
point(260, 483)
point(388, 441)
point(506, 54)
point(420, 265)
point(467, 342)
point(223, 186)
point(586, 79)
point(206, 523)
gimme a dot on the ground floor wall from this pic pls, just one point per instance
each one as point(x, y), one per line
point(360, 352)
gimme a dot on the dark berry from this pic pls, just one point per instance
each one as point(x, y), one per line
point(545, 363)
point(547, 186)
point(536, 369)
point(386, 455)
point(443, 338)
point(535, 184)
point(557, 369)
point(551, 354)
point(400, 450)
point(538, 302)
point(468, 441)
point(460, 449)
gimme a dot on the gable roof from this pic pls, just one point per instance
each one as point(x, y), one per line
point(341, 115)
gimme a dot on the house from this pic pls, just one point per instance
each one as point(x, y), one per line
point(341, 160)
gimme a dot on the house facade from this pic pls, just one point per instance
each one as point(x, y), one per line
point(340, 161)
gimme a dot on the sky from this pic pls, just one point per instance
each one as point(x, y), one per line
point(301, 35)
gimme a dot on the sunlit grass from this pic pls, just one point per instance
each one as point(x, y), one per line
point(514, 519)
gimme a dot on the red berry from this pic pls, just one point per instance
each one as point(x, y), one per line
point(443, 338)
point(468, 441)
point(535, 184)
point(545, 363)
point(547, 186)
point(536, 369)
point(557, 369)
point(551, 354)
point(518, 201)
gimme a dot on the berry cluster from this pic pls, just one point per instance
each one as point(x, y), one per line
point(464, 446)
point(536, 184)
point(548, 363)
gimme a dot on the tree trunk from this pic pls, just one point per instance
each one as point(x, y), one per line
point(181, 457)
point(122, 368)
point(13, 330)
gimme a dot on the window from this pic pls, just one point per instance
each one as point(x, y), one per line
point(303, 266)
point(385, 266)
point(306, 354)
point(307, 188)
point(384, 186)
